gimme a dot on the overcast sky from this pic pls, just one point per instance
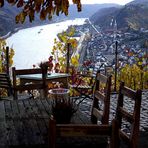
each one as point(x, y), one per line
point(121, 2)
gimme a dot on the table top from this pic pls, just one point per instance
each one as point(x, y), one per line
point(39, 76)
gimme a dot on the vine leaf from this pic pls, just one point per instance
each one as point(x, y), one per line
point(46, 8)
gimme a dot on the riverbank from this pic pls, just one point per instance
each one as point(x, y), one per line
point(9, 34)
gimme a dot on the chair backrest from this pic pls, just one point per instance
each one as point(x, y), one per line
point(101, 100)
point(30, 86)
point(5, 83)
point(128, 115)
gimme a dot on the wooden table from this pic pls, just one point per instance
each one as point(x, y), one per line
point(53, 77)
point(25, 122)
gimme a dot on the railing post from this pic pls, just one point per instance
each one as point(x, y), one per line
point(7, 60)
point(67, 58)
point(116, 61)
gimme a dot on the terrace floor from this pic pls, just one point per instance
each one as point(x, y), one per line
point(24, 123)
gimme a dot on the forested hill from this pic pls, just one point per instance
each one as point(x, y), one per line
point(8, 13)
point(133, 16)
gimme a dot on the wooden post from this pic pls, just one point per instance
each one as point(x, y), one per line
point(116, 61)
point(68, 57)
point(7, 60)
point(52, 133)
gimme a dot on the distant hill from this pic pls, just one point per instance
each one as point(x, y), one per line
point(8, 13)
point(7, 20)
point(133, 16)
point(87, 10)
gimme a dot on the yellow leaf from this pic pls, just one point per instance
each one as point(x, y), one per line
point(17, 19)
point(74, 60)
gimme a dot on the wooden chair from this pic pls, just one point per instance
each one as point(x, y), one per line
point(97, 114)
point(128, 115)
point(83, 85)
point(113, 130)
point(101, 100)
point(19, 87)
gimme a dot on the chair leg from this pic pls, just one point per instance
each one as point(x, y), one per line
point(93, 119)
point(52, 133)
point(15, 95)
point(114, 140)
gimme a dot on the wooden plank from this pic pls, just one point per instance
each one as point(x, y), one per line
point(99, 96)
point(42, 109)
point(47, 106)
point(101, 78)
point(124, 136)
point(128, 92)
point(126, 115)
point(40, 121)
point(29, 123)
point(76, 130)
point(18, 124)
point(44, 117)
point(28, 71)
point(32, 115)
point(98, 113)
point(12, 138)
point(76, 119)
point(43, 114)
point(81, 118)
point(49, 102)
point(3, 130)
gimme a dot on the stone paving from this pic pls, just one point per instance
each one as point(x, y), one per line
point(86, 107)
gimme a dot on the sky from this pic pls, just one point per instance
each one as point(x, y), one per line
point(121, 2)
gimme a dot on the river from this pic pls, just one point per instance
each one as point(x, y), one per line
point(33, 45)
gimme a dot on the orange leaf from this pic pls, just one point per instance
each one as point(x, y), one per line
point(43, 14)
point(37, 7)
point(10, 1)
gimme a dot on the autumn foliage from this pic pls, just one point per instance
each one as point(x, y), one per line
point(134, 77)
point(46, 8)
point(3, 56)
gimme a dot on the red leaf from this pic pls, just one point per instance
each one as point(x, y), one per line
point(20, 3)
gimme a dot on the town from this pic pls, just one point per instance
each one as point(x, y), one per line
point(102, 47)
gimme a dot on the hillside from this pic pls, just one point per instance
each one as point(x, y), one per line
point(7, 20)
point(8, 13)
point(87, 10)
point(134, 15)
